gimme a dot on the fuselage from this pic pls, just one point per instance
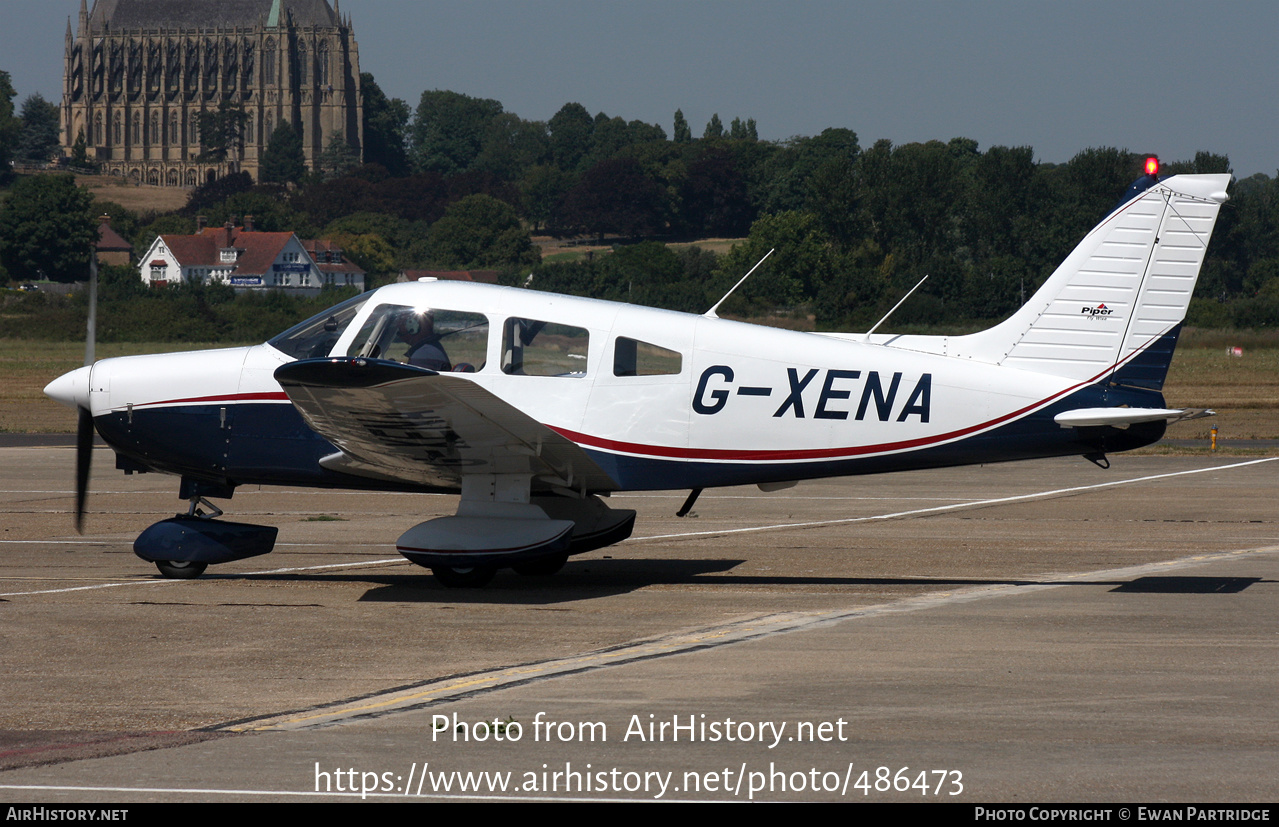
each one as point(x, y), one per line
point(659, 399)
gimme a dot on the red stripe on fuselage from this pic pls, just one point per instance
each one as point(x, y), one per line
point(264, 396)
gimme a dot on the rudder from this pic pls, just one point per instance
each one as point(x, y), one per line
point(1123, 290)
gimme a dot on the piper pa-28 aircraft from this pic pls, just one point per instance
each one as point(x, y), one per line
point(535, 407)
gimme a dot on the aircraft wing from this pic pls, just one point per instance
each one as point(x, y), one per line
point(398, 422)
point(1123, 417)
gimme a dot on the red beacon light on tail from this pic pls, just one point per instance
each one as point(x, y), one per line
point(1152, 166)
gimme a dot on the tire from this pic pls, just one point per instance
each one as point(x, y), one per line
point(542, 566)
point(463, 578)
point(180, 569)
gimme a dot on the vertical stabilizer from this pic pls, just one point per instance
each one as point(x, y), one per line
point(1124, 288)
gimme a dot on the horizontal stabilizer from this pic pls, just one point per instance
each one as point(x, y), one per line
point(1123, 417)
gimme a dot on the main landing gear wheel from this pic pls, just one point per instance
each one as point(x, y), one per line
point(180, 569)
point(542, 566)
point(463, 578)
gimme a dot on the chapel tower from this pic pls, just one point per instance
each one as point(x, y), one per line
point(138, 73)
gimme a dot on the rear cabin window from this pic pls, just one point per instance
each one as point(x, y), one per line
point(631, 357)
point(536, 348)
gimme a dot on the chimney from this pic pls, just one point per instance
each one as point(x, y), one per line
point(104, 219)
point(200, 223)
point(248, 223)
point(230, 228)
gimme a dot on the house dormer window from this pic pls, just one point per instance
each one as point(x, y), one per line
point(228, 255)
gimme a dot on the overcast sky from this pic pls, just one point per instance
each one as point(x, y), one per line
point(1166, 77)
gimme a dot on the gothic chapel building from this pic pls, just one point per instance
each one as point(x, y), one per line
point(139, 72)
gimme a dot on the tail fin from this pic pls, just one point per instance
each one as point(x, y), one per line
point(1124, 289)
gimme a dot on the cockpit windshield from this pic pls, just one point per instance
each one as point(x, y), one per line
point(315, 337)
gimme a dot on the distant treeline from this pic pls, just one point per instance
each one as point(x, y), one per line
point(461, 183)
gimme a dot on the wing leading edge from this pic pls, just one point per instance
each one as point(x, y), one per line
point(399, 422)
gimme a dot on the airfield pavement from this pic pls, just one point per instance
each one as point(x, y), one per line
point(1032, 632)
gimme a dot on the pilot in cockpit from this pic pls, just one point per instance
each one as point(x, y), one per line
point(417, 330)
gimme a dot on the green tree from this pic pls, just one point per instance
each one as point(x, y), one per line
point(370, 251)
point(615, 196)
point(284, 160)
point(80, 151)
point(212, 193)
point(571, 131)
point(541, 190)
point(714, 127)
point(339, 157)
point(909, 192)
point(997, 208)
point(270, 213)
point(682, 133)
point(449, 129)
point(712, 196)
point(222, 133)
point(803, 260)
point(10, 127)
point(650, 274)
point(391, 228)
point(385, 124)
point(39, 141)
point(481, 231)
point(786, 173)
point(119, 282)
point(834, 197)
point(511, 146)
point(47, 229)
point(380, 243)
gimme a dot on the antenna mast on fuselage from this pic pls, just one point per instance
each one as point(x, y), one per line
point(710, 314)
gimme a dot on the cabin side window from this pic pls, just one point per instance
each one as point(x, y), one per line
point(536, 348)
point(631, 357)
point(428, 337)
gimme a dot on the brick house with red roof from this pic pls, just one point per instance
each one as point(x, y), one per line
point(111, 248)
point(247, 259)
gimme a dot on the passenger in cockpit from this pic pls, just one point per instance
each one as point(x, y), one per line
point(417, 330)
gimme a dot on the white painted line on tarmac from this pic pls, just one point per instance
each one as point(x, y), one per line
point(724, 531)
point(238, 575)
point(953, 507)
point(432, 693)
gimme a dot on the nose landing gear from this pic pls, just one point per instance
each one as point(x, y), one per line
point(183, 546)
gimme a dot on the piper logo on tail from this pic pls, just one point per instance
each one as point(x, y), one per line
point(1096, 312)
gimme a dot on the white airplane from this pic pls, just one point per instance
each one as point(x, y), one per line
point(535, 407)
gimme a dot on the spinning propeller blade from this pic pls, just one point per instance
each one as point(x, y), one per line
point(84, 427)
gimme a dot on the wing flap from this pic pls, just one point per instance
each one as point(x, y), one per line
point(396, 421)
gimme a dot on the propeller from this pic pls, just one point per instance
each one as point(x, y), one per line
point(84, 427)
